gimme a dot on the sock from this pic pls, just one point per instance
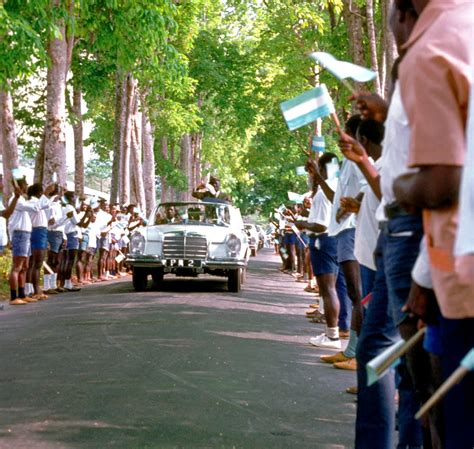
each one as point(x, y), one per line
point(351, 347)
point(21, 292)
point(12, 295)
point(46, 280)
point(53, 282)
point(28, 288)
point(67, 283)
point(321, 306)
point(107, 273)
point(332, 333)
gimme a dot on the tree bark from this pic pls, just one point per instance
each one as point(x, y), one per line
point(389, 46)
point(164, 156)
point(119, 126)
point(78, 142)
point(136, 159)
point(59, 52)
point(8, 141)
point(127, 137)
point(171, 156)
point(148, 161)
point(185, 153)
point(373, 44)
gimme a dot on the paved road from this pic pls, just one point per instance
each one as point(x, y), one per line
point(189, 367)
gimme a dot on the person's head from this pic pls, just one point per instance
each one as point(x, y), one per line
point(35, 190)
point(307, 202)
point(370, 134)
point(324, 159)
point(352, 124)
point(70, 197)
point(103, 204)
point(130, 208)
point(403, 17)
point(22, 185)
point(170, 212)
point(420, 5)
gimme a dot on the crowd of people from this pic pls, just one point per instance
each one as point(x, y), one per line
point(55, 230)
point(379, 239)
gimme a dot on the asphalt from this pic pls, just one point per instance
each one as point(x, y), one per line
point(192, 366)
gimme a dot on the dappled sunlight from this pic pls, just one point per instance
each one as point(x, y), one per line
point(266, 336)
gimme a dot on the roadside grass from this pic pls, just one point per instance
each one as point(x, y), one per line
point(5, 265)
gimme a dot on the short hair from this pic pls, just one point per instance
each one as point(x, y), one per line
point(69, 195)
point(326, 158)
point(353, 123)
point(35, 190)
point(372, 130)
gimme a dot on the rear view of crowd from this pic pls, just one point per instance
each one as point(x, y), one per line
point(382, 235)
point(55, 231)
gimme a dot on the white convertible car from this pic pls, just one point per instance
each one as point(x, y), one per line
point(188, 239)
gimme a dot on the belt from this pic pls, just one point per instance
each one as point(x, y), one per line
point(394, 210)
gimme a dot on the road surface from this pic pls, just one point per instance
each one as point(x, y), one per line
point(192, 366)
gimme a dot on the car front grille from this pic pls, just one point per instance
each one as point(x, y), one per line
point(184, 246)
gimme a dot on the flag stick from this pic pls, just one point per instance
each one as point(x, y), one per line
point(348, 86)
point(337, 123)
point(47, 268)
point(452, 380)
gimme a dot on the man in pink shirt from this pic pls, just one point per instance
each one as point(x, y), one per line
point(435, 80)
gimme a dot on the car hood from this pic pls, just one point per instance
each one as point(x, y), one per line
point(213, 233)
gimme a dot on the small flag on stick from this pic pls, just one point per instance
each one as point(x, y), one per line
point(318, 144)
point(343, 69)
point(467, 365)
point(307, 107)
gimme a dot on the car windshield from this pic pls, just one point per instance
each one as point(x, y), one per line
point(192, 213)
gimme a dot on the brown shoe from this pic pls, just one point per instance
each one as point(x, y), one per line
point(50, 291)
point(344, 335)
point(40, 296)
point(29, 299)
point(314, 306)
point(352, 390)
point(335, 358)
point(311, 312)
point(18, 302)
point(350, 365)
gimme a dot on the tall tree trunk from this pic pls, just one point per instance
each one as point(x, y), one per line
point(148, 160)
point(59, 52)
point(119, 126)
point(171, 156)
point(196, 165)
point(136, 159)
point(373, 43)
point(185, 151)
point(39, 162)
point(8, 138)
point(389, 46)
point(164, 156)
point(127, 137)
point(78, 142)
point(354, 19)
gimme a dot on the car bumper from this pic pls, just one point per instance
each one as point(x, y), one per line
point(211, 264)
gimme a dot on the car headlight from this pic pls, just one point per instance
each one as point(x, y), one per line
point(233, 244)
point(137, 243)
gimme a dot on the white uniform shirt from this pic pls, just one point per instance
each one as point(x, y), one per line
point(20, 219)
point(39, 218)
point(367, 229)
point(321, 207)
point(351, 182)
point(395, 147)
point(3, 228)
point(56, 212)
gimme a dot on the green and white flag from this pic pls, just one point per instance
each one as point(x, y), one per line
point(318, 144)
point(307, 107)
